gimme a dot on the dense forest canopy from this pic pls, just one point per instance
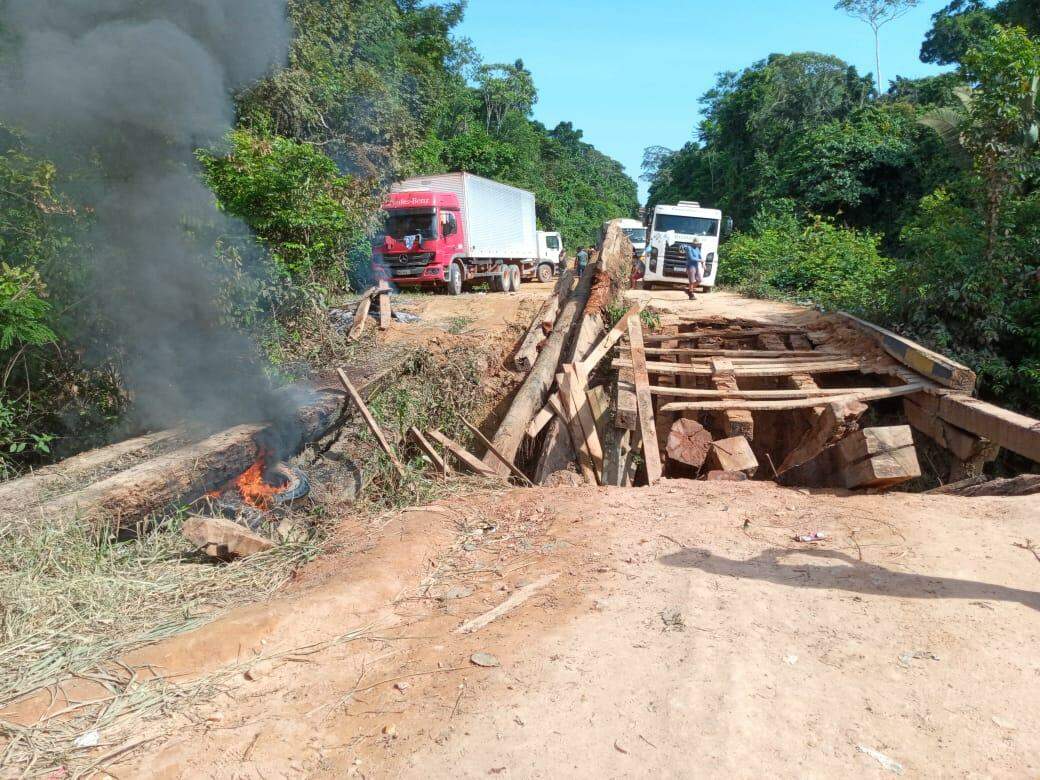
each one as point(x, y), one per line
point(371, 91)
point(918, 207)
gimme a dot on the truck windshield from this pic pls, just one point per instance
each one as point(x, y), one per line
point(635, 235)
point(411, 222)
point(690, 226)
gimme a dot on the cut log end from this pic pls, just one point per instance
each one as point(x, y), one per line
point(689, 442)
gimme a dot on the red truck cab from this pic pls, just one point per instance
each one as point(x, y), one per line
point(422, 235)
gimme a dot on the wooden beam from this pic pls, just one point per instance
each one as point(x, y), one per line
point(386, 314)
point(370, 421)
point(733, 454)
point(939, 368)
point(728, 333)
point(1024, 485)
point(737, 421)
point(462, 455)
point(824, 395)
point(543, 417)
point(747, 355)
point(836, 420)
point(491, 448)
point(435, 457)
point(962, 445)
point(794, 403)
point(1010, 430)
point(361, 316)
point(644, 403)
point(614, 335)
point(784, 369)
point(579, 416)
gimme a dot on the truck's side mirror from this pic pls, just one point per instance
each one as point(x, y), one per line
point(727, 227)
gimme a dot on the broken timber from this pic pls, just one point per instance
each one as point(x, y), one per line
point(462, 455)
point(370, 421)
point(537, 333)
point(1010, 430)
point(871, 458)
point(438, 462)
point(878, 394)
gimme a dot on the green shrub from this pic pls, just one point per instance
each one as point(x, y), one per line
point(814, 261)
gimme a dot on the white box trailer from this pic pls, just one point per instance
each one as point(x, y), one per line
point(498, 220)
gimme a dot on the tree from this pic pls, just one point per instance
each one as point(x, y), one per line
point(877, 13)
point(505, 88)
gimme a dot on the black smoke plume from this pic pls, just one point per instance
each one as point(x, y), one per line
point(127, 90)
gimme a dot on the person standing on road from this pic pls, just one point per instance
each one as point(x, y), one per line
point(694, 267)
point(561, 264)
point(583, 260)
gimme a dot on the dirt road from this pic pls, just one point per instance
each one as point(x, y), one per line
point(678, 631)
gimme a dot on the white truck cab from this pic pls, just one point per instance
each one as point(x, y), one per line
point(672, 229)
point(549, 247)
point(634, 229)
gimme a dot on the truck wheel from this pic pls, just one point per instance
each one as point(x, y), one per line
point(454, 279)
point(514, 278)
point(545, 273)
point(497, 283)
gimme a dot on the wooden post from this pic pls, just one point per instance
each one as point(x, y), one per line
point(371, 422)
point(385, 312)
point(462, 455)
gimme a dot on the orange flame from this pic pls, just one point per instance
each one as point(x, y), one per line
point(254, 490)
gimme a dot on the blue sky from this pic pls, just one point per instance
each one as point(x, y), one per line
point(629, 73)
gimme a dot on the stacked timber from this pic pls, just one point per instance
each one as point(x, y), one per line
point(555, 407)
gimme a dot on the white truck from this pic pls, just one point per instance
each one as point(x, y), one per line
point(672, 229)
point(634, 229)
point(453, 229)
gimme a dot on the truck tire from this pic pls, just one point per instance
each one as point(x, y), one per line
point(497, 283)
point(545, 273)
point(514, 278)
point(454, 280)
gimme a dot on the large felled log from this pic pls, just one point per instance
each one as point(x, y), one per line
point(534, 392)
point(79, 471)
point(733, 455)
point(537, 334)
point(1025, 485)
point(186, 474)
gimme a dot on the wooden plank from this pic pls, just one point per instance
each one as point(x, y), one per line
point(370, 421)
point(824, 395)
point(746, 355)
point(614, 335)
point(1010, 430)
point(543, 417)
point(644, 403)
point(939, 368)
point(572, 419)
point(1024, 485)
point(730, 333)
point(785, 369)
point(491, 448)
point(954, 488)
point(879, 394)
point(385, 312)
point(360, 318)
point(462, 455)
point(435, 457)
point(575, 385)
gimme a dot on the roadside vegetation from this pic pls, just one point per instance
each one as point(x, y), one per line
point(917, 207)
point(372, 92)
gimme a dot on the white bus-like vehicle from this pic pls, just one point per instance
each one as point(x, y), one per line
point(672, 229)
point(633, 228)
